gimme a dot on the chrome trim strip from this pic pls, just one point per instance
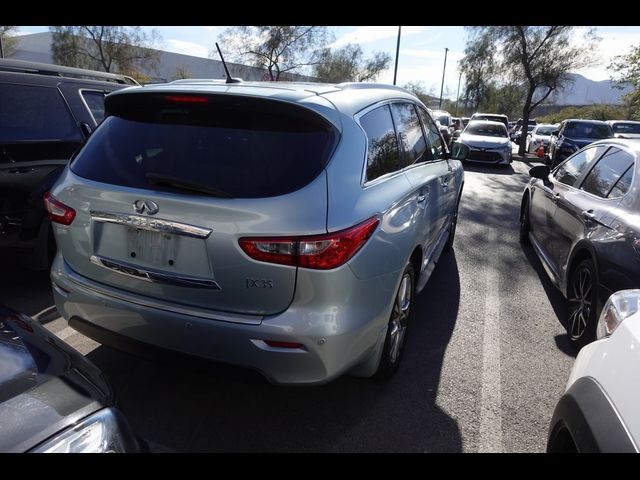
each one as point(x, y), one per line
point(152, 275)
point(92, 288)
point(151, 224)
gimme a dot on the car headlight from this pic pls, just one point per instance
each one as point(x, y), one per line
point(101, 432)
point(619, 306)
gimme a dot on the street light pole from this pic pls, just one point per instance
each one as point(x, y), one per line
point(395, 70)
point(443, 70)
point(458, 94)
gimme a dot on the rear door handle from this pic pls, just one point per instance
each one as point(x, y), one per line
point(589, 215)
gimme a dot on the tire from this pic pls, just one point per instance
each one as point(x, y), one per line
point(396, 337)
point(582, 304)
point(452, 230)
point(525, 225)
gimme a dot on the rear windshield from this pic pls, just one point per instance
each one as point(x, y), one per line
point(443, 119)
point(545, 130)
point(587, 130)
point(238, 146)
point(626, 127)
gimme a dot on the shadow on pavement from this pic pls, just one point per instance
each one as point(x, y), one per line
point(205, 407)
point(556, 299)
point(490, 168)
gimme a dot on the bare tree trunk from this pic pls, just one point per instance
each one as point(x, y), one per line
point(526, 111)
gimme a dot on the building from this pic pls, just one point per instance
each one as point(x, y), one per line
point(36, 47)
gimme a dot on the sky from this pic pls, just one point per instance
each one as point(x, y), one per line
point(422, 49)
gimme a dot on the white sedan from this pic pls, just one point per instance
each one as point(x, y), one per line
point(540, 135)
point(488, 142)
point(600, 409)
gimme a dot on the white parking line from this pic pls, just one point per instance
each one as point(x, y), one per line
point(491, 399)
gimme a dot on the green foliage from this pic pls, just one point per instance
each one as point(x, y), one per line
point(626, 70)
point(586, 112)
point(279, 49)
point(8, 40)
point(348, 64)
point(107, 48)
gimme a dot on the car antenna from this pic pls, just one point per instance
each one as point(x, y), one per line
point(230, 79)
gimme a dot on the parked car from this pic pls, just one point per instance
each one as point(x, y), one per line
point(572, 135)
point(599, 409)
point(445, 122)
point(488, 142)
point(52, 399)
point(539, 136)
point(582, 221)
point(518, 133)
point(492, 117)
point(625, 128)
point(46, 113)
point(286, 228)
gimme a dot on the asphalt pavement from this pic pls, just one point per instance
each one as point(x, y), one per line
point(486, 359)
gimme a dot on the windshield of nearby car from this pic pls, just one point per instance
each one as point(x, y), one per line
point(545, 130)
point(587, 130)
point(530, 128)
point(486, 129)
point(626, 127)
point(443, 119)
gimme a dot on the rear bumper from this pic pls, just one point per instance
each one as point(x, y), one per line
point(340, 319)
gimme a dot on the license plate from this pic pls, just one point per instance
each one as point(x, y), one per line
point(156, 248)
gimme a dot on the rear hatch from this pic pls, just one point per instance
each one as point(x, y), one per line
point(168, 184)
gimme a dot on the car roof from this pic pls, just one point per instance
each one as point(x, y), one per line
point(611, 122)
point(584, 120)
point(485, 122)
point(502, 115)
point(632, 144)
point(347, 98)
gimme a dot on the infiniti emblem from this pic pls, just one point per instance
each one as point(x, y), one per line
point(148, 206)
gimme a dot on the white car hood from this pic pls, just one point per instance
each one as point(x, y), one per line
point(484, 142)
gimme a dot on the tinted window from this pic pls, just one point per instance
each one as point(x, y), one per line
point(35, 113)
point(95, 102)
point(622, 186)
point(436, 144)
point(243, 146)
point(544, 130)
point(382, 148)
point(587, 130)
point(626, 127)
point(569, 171)
point(606, 172)
point(412, 143)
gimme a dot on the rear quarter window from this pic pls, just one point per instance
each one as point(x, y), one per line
point(246, 147)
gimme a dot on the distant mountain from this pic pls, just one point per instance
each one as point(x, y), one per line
point(587, 92)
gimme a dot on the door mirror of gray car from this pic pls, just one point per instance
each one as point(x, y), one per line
point(459, 151)
point(540, 171)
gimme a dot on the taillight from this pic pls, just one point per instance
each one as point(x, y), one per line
point(321, 252)
point(58, 211)
point(186, 99)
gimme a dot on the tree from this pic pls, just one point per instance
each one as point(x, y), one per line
point(107, 48)
point(279, 49)
point(478, 67)
point(7, 39)
point(627, 73)
point(348, 64)
point(182, 73)
point(539, 57)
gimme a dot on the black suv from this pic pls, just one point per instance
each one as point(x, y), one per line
point(46, 113)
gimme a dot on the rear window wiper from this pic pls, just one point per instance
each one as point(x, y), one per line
point(186, 185)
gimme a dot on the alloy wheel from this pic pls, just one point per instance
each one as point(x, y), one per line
point(399, 317)
point(580, 302)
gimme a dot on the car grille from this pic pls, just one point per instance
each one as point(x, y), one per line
point(484, 156)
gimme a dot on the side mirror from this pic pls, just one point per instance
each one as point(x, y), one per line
point(459, 151)
point(541, 171)
point(555, 133)
point(86, 129)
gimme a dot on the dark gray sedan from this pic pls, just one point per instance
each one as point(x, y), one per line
point(583, 221)
point(52, 399)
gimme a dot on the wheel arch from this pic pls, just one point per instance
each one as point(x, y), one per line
point(581, 251)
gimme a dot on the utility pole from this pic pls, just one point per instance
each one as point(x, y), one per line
point(458, 94)
point(395, 70)
point(444, 69)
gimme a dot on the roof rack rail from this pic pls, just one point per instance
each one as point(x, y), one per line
point(22, 66)
point(365, 85)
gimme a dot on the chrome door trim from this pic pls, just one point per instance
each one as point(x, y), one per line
point(151, 224)
point(152, 275)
